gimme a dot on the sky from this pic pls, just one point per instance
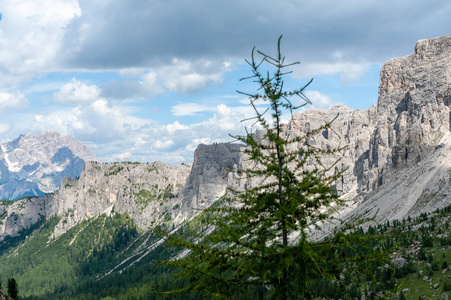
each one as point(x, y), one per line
point(150, 80)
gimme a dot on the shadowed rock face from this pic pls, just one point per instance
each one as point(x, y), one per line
point(413, 108)
point(211, 174)
point(34, 165)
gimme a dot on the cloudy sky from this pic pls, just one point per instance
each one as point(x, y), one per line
point(150, 80)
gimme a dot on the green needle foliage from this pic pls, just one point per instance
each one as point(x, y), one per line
point(13, 290)
point(256, 239)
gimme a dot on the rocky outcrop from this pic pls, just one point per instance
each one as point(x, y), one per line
point(33, 165)
point(351, 131)
point(416, 189)
point(211, 174)
point(413, 109)
point(410, 119)
point(150, 192)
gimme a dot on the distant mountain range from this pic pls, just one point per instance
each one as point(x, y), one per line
point(33, 165)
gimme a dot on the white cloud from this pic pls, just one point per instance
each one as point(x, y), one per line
point(319, 100)
point(30, 36)
point(99, 122)
point(180, 76)
point(76, 93)
point(160, 145)
point(349, 72)
point(171, 128)
point(189, 109)
point(12, 101)
point(183, 76)
point(123, 156)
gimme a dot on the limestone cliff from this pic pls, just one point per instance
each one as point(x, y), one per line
point(211, 174)
point(410, 119)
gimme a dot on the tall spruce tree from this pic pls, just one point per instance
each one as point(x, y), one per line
point(13, 289)
point(256, 242)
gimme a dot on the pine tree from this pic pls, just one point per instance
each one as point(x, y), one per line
point(258, 237)
point(13, 289)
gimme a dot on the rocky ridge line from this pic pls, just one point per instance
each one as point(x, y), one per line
point(151, 193)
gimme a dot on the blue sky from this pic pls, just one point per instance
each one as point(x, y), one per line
point(150, 80)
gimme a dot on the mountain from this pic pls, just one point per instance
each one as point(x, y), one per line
point(33, 165)
point(395, 159)
point(151, 193)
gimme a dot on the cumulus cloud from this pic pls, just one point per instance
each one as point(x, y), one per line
point(12, 101)
point(189, 109)
point(179, 76)
point(171, 128)
point(319, 100)
point(349, 72)
point(114, 134)
point(123, 156)
point(76, 92)
point(30, 34)
point(99, 122)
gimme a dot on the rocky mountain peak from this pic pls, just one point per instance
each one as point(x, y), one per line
point(32, 164)
point(421, 77)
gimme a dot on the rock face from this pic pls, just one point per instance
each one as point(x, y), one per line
point(413, 109)
point(149, 192)
point(350, 130)
point(410, 119)
point(34, 165)
point(210, 175)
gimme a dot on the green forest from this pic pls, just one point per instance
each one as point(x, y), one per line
point(74, 265)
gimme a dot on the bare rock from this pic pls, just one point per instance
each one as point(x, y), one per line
point(33, 165)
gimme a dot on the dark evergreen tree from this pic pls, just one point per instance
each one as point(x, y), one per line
point(13, 289)
point(258, 237)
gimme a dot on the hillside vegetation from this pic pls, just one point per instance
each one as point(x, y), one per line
point(82, 263)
